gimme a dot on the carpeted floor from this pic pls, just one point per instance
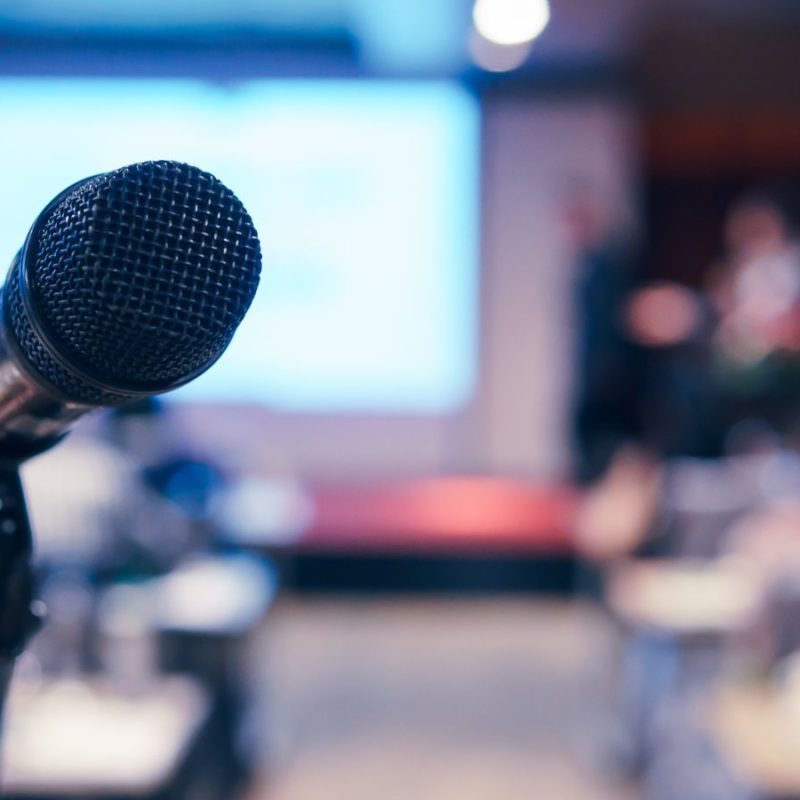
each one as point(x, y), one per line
point(432, 700)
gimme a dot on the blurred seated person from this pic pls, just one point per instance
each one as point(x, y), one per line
point(670, 326)
point(167, 462)
point(617, 513)
point(767, 544)
point(93, 522)
point(733, 349)
point(674, 508)
point(91, 511)
point(720, 376)
point(756, 295)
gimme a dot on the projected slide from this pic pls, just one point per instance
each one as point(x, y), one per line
point(365, 198)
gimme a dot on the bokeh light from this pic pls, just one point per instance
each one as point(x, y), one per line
point(509, 22)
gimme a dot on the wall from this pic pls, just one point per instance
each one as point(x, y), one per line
point(534, 153)
point(518, 421)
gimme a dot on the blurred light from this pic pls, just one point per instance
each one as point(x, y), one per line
point(274, 510)
point(497, 57)
point(213, 594)
point(663, 315)
point(509, 22)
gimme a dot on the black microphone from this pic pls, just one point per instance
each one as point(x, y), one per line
point(130, 283)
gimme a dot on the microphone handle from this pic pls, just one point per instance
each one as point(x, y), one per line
point(33, 415)
point(20, 614)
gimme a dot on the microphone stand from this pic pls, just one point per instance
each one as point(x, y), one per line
point(20, 614)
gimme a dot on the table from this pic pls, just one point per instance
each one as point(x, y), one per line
point(756, 729)
point(85, 739)
point(677, 615)
point(681, 598)
point(206, 612)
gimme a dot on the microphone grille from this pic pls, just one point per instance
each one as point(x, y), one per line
point(138, 277)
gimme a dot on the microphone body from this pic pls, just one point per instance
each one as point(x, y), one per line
point(129, 284)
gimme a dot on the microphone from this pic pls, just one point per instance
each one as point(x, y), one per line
point(129, 283)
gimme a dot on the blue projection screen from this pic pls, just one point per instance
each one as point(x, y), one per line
point(365, 196)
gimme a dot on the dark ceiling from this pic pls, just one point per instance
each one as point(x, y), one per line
point(664, 41)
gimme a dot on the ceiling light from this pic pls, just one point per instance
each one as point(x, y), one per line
point(511, 22)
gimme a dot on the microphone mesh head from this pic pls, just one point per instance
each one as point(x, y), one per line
point(139, 278)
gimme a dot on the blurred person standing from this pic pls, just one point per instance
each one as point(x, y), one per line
point(607, 402)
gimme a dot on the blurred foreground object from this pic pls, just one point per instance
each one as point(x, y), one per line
point(688, 598)
point(756, 728)
point(76, 739)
